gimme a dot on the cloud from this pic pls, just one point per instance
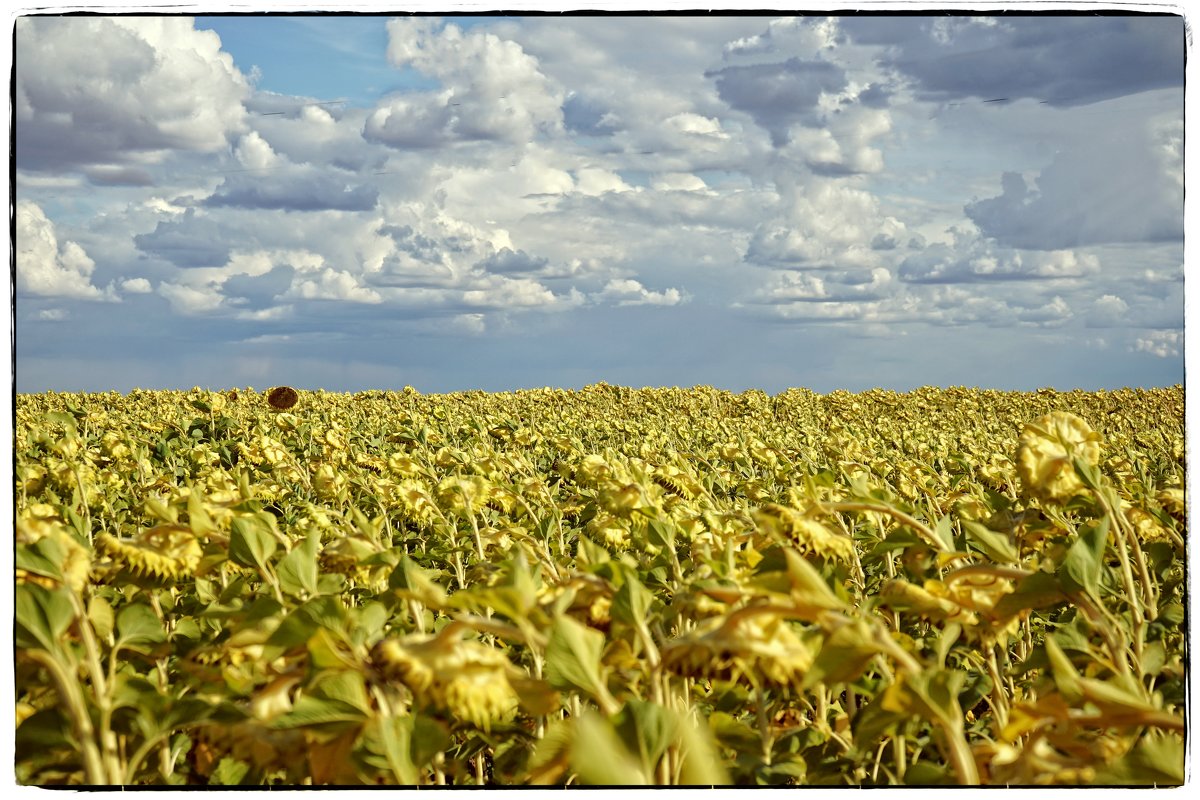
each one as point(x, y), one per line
point(46, 268)
point(788, 32)
point(492, 90)
point(802, 287)
point(113, 175)
point(588, 116)
point(779, 95)
point(189, 240)
point(191, 300)
point(508, 261)
point(1163, 344)
point(821, 224)
point(628, 292)
point(974, 260)
point(842, 147)
point(136, 286)
point(298, 189)
point(1107, 311)
point(53, 314)
point(112, 94)
point(330, 284)
point(499, 292)
point(1125, 186)
point(1075, 61)
point(678, 182)
point(259, 289)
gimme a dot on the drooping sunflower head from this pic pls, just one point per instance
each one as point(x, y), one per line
point(1045, 457)
point(806, 534)
point(464, 678)
point(40, 523)
point(281, 398)
point(166, 552)
point(761, 647)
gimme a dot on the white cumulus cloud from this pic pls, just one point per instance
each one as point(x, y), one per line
point(47, 268)
point(629, 292)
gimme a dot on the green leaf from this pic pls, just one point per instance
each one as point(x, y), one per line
point(42, 616)
point(877, 719)
point(344, 686)
point(410, 581)
point(702, 763)
point(229, 772)
point(661, 533)
point(793, 769)
point(100, 614)
point(1084, 563)
point(137, 624)
point(932, 695)
point(573, 658)
point(40, 558)
point(391, 737)
point(646, 729)
point(1156, 760)
point(925, 773)
point(1066, 677)
point(429, 737)
point(297, 571)
point(996, 546)
point(310, 710)
point(251, 542)
point(599, 758)
point(810, 592)
point(295, 630)
point(62, 418)
point(131, 690)
point(844, 655)
point(1034, 592)
point(945, 533)
point(368, 622)
point(632, 601)
point(187, 628)
point(45, 731)
point(732, 733)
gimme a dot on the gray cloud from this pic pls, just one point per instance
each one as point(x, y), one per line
point(102, 91)
point(507, 261)
point(1123, 187)
point(584, 115)
point(259, 290)
point(1075, 61)
point(779, 95)
point(301, 190)
point(190, 241)
point(110, 175)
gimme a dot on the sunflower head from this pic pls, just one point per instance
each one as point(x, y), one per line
point(281, 398)
point(166, 552)
point(464, 678)
point(762, 647)
point(1045, 458)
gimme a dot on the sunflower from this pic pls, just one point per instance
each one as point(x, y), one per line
point(759, 646)
point(164, 551)
point(464, 678)
point(281, 398)
point(1045, 457)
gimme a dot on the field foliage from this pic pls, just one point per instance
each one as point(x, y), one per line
point(604, 586)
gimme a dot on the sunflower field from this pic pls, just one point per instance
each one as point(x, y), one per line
point(605, 586)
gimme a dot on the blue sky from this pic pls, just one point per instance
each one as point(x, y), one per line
point(355, 202)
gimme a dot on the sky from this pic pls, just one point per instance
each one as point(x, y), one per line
point(740, 201)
